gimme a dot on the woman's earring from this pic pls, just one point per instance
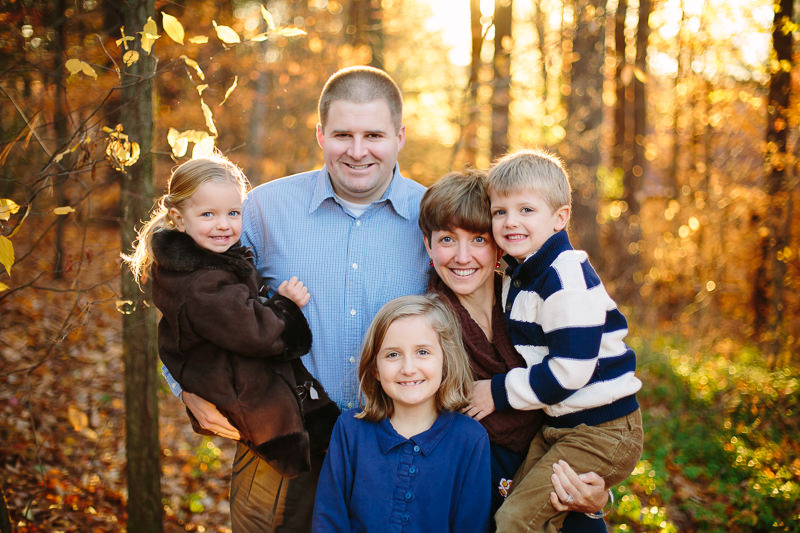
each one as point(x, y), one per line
point(497, 265)
point(431, 262)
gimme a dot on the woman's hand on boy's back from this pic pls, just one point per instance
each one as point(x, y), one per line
point(295, 291)
point(209, 417)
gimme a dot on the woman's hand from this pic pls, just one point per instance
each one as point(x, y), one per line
point(295, 291)
point(208, 416)
point(481, 403)
point(585, 493)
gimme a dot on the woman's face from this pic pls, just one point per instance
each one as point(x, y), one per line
point(464, 260)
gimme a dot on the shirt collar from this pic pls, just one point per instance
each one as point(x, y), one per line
point(398, 194)
point(535, 264)
point(388, 438)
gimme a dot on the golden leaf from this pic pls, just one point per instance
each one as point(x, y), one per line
point(192, 63)
point(130, 57)
point(268, 18)
point(260, 37)
point(124, 39)
point(73, 65)
point(149, 34)
point(87, 69)
point(3, 287)
point(195, 136)
point(125, 307)
point(172, 134)
point(200, 88)
point(640, 75)
point(64, 210)
point(198, 39)
point(209, 118)
point(7, 208)
point(77, 418)
point(180, 146)
point(172, 27)
point(6, 253)
point(290, 32)
point(230, 89)
point(204, 148)
point(226, 34)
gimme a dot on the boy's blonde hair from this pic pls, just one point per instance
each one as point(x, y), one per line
point(537, 170)
point(183, 183)
point(361, 84)
point(456, 384)
point(458, 200)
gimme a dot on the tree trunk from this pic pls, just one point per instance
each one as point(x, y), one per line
point(540, 23)
point(501, 87)
point(366, 28)
point(777, 160)
point(139, 324)
point(60, 124)
point(584, 120)
point(674, 167)
point(621, 150)
point(473, 106)
point(633, 184)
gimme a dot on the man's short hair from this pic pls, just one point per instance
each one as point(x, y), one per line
point(361, 84)
point(536, 170)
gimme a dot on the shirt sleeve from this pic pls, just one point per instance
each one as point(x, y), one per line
point(174, 386)
point(572, 322)
point(472, 506)
point(331, 505)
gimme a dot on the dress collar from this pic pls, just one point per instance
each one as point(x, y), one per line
point(388, 438)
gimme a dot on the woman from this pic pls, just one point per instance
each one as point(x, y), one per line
point(456, 226)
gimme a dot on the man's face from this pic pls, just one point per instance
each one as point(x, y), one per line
point(360, 146)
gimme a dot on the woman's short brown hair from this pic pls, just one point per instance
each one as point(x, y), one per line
point(456, 384)
point(458, 200)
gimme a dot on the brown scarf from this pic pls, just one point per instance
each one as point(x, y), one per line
point(511, 429)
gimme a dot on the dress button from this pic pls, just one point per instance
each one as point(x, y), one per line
point(408, 496)
point(412, 470)
point(406, 518)
point(416, 449)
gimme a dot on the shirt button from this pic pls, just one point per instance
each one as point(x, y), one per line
point(408, 496)
point(412, 470)
point(352, 312)
point(352, 359)
point(416, 449)
point(358, 222)
point(355, 266)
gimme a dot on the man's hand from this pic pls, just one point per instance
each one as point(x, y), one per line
point(585, 493)
point(481, 403)
point(209, 417)
point(295, 291)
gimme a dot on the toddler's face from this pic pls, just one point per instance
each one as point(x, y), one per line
point(212, 217)
point(523, 221)
point(409, 364)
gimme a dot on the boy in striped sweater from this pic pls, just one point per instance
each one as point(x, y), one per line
point(571, 334)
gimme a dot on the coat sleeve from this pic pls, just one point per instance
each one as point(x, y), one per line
point(220, 309)
point(331, 506)
point(473, 501)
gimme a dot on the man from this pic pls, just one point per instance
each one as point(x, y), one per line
point(349, 232)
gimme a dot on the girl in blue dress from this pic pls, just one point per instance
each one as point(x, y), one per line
point(408, 460)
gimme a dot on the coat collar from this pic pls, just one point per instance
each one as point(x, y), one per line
point(177, 251)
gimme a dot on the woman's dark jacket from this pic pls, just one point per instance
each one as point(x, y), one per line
point(219, 341)
point(510, 428)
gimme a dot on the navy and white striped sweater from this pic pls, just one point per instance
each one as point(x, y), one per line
point(571, 334)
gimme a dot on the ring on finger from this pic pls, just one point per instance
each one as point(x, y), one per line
point(569, 498)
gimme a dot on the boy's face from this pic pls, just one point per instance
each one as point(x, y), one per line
point(523, 221)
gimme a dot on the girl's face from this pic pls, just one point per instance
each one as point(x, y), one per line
point(409, 365)
point(212, 217)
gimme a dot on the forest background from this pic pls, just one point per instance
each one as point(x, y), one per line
point(678, 120)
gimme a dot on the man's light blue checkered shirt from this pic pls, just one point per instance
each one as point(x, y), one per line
point(351, 265)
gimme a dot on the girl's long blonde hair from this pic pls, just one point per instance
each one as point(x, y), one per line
point(183, 182)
